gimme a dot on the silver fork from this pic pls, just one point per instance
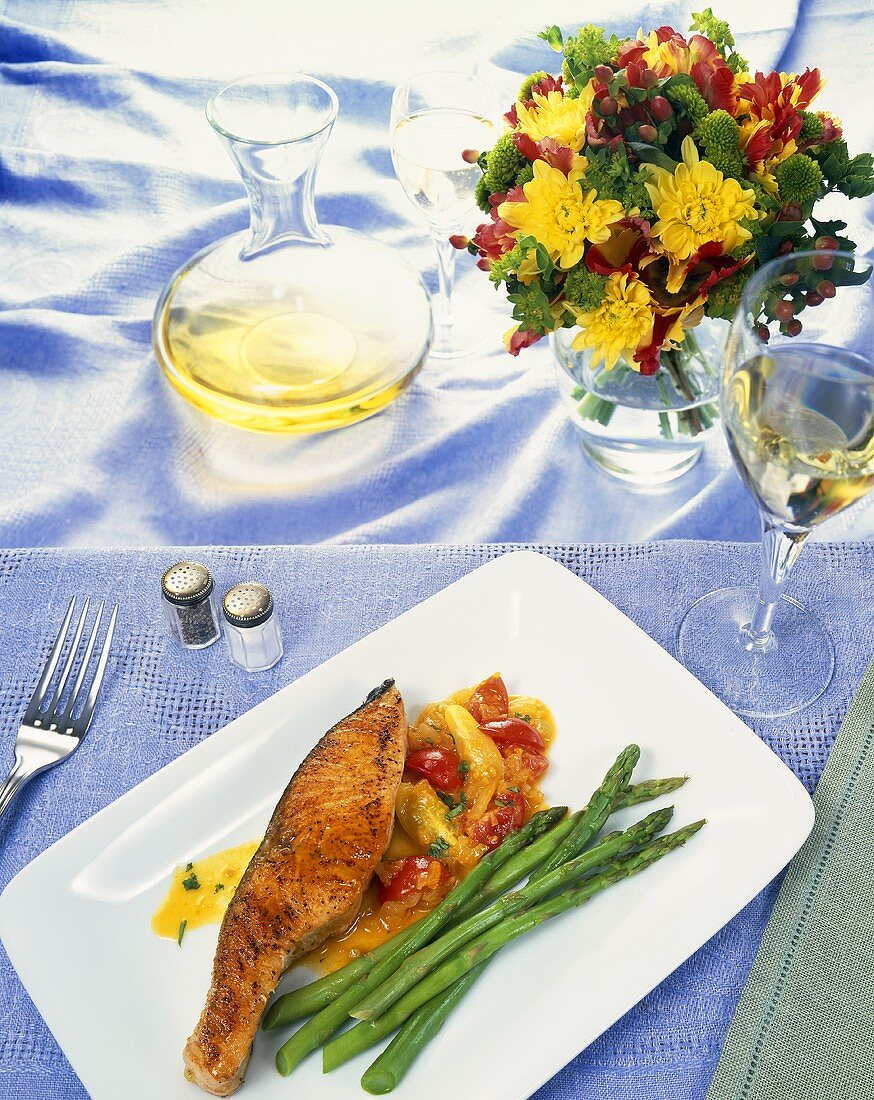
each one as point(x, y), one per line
point(50, 733)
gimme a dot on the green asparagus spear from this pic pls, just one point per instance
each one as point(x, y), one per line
point(414, 968)
point(322, 1026)
point(297, 1004)
point(520, 865)
point(648, 790)
point(367, 1032)
point(389, 1068)
point(595, 814)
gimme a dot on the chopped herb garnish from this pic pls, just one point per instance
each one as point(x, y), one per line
point(515, 789)
point(455, 811)
point(438, 847)
point(430, 741)
point(463, 767)
point(192, 882)
point(218, 886)
point(504, 802)
point(182, 926)
point(189, 866)
point(524, 717)
point(446, 798)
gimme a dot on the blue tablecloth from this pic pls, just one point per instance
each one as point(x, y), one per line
point(110, 178)
point(159, 702)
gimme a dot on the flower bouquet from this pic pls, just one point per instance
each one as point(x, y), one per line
point(635, 192)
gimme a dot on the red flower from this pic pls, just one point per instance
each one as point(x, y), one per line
point(833, 129)
point(555, 154)
point(495, 237)
point(518, 339)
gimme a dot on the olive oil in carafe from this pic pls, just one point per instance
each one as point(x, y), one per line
point(294, 366)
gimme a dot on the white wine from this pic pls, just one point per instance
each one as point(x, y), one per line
point(427, 151)
point(800, 423)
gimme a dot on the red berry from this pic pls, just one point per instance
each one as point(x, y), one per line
point(826, 288)
point(790, 278)
point(823, 261)
point(813, 299)
point(660, 109)
point(827, 244)
point(607, 106)
point(647, 133)
point(764, 333)
point(649, 78)
point(784, 311)
point(458, 240)
point(470, 156)
point(603, 73)
point(794, 327)
point(785, 248)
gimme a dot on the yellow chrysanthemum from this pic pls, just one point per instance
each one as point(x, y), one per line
point(556, 116)
point(621, 323)
point(696, 205)
point(560, 214)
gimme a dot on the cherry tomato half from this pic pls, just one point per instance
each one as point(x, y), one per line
point(413, 873)
point(507, 815)
point(489, 701)
point(513, 731)
point(535, 764)
point(438, 766)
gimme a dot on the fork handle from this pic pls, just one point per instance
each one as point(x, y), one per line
point(14, 782)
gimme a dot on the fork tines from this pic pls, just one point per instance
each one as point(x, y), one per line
point(71, 711)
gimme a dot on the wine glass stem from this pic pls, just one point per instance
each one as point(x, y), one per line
point(445, 281)
point(780, 550)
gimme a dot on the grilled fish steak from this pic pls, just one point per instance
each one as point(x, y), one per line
point(305, 883)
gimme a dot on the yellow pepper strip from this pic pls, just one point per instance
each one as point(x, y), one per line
point(486, 767)
point(423, 818)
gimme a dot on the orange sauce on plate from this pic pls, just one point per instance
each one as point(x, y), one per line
point(200, 892)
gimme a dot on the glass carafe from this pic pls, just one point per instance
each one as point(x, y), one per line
point(289, 326)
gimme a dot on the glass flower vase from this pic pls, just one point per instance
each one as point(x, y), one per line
point(643, 430)
point(289, 326)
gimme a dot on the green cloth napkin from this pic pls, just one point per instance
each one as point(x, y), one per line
point(804, 1028)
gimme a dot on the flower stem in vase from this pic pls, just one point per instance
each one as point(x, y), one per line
point(690, 420)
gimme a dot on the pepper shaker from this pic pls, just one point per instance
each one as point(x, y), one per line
point(189, 605)
point(251, 630)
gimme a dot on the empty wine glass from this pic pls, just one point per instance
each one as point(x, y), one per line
point(798, 412)
point(439, 122)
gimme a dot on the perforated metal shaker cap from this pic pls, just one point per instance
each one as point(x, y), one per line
point(186, 583)
point(247, 604)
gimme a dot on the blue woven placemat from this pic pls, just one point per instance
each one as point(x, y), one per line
point(160, 702)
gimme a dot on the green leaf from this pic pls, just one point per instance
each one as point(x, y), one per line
point(182, 926)
point(766, 248)
point(553, 36)
point(784, 229)
point(650, 154)
point(192, 882)
point(842, 276)
point(828, 229)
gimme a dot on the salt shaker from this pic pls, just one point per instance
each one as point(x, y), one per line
point(251, 630)
point(189, 605)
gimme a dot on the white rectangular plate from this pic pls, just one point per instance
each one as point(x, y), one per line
point(122, 1002)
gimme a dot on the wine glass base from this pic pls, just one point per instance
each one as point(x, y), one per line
point(783, 678)
point(467, 334)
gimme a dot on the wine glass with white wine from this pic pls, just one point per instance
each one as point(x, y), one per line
point(798, 412)
point(440, 122)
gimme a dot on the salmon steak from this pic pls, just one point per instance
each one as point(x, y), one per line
point(305, 882)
